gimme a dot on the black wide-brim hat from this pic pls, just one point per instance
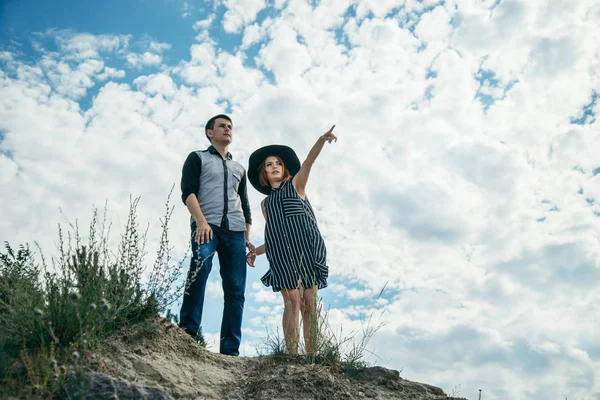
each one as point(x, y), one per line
point(287, 155)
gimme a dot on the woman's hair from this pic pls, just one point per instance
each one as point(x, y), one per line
point(262, 172)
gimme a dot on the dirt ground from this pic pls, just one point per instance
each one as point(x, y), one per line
point(168, 364)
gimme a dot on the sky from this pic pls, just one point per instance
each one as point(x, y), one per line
point(460, 206)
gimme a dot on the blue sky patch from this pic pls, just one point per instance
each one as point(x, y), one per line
point(588, 116)
point(431, 74)
point(8, 153)
point(487, 80)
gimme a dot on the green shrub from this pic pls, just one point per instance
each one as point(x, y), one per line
point(21, 304)
point(52, 317)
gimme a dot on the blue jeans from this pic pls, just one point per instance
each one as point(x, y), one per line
point(231, 249)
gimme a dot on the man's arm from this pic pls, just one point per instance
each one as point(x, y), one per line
point(251, 256)
point(190, 184)
point(261, 249)
point(190, 176)
point(203, 230)
point(243, 193)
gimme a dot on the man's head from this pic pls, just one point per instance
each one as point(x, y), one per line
point(220, 129)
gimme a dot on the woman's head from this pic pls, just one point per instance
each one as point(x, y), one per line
point(264, 161)
point(272, 171)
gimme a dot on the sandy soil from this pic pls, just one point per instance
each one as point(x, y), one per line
point(171, 363)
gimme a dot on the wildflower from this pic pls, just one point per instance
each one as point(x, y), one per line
point(62, 369)
point(75, 296)
point(92, 306)
point(74, 355)
point(38, 312)
point(53, 364)
point(104, 304)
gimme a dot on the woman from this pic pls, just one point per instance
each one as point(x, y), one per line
point(293, 244)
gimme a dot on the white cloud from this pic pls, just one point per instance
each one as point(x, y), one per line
point(287, 58)
point(158, 47)
point(379, 8)
point(214, 289)
point(146, 58)
point(240, 13)
point(158, 83)
point(72, 82)
point(262, 294)
point(110, 73)
point(204, 23)
point(254, 33)
point(9, 170)
point(84, 45)
point(186, 9)
point(434, 25)
point(6, 56)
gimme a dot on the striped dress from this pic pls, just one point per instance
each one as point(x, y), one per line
point(294, 246)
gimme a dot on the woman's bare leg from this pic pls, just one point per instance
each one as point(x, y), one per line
point(291, 319)
point(310, 320)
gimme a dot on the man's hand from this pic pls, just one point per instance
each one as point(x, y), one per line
point(329, 136)
point(251, 257)
point(250, 246)
point(203, 232)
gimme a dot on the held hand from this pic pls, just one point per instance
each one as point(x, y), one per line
point(250, 246)
point(250, 258)
point(329, 136)
point(203, 233)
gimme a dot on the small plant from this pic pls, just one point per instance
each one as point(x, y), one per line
point(456, 390)
point(162, 280)
point(53, 317)
point(273, 344)
point(338, 351)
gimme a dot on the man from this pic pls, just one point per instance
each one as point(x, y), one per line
point(213, 187)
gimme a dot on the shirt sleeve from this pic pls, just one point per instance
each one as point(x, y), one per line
point(243, 193)
point(190, 176)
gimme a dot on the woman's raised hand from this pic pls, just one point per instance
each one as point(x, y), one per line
point(329, 136)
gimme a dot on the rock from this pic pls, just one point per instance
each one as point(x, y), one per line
point(102, 387)
point(392, 385)
point(375, 374)
point(434, 389)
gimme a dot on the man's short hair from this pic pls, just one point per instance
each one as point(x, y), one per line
point(211, 124)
